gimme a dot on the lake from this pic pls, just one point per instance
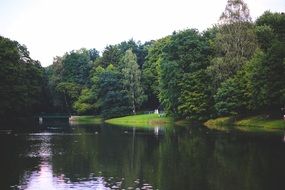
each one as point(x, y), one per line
point(110, 157)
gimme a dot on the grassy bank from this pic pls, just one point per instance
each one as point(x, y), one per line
point(86, 120)
point(221, 123)
point(145, 120)
point(249, 124)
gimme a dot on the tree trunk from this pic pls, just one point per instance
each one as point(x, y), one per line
point(66, 104)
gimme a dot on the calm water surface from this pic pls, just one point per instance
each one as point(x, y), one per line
point(106, 157)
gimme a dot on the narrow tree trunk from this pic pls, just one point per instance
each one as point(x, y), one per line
point(134, 103)
point(66, 104)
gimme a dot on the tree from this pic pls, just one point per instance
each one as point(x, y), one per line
point(265, 36)
point(275, 21)
point(236, 11)
point(150, 75)
point(114, 100)
point(93, 54)
point(270, 31)
point(111, 55)
point(181, 82)
point(76, 67)
point(84, 104)
point(169, 77)
point(275, 77)
point(230, 98)
point(249, 79)
point(235, 42)
point(89, 100)
point(136, 47)
point(72, 68)
point(195, 101)
point(132, 80)
point(22, 81)
point(256, 83)
point(70, 92)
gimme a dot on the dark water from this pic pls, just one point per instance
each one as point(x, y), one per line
point(105, 157)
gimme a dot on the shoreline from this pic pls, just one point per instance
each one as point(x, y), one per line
point(257, 124)
point(141, 120)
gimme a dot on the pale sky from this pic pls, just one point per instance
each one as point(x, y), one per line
point(52, 27)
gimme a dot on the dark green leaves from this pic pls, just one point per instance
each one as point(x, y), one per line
point(22, 81)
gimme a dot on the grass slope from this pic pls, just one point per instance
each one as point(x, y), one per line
point(249, 124)
point(144, 120)
point(86, 120)
point(221, 123)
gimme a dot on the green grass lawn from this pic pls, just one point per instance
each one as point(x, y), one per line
point(249, 124)
point(259, 123)
point(86, 120)
point(221, 123)
point(144, 120)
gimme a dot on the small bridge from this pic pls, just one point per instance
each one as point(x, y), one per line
point(54, 118)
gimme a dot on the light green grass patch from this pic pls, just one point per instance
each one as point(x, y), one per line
point(144, 120)
point(249, 124)
point(261, 123)
point(86, 120)
point(221, 123)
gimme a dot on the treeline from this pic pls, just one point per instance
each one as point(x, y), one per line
point(234, 68)
point(22, 82)
point(110, 85)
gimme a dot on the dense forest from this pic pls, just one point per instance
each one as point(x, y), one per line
point(236, 67)
point(23, 82)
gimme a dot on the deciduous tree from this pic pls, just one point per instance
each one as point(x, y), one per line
point(132, 80)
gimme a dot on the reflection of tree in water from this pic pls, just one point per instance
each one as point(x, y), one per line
point(13, 161)
point(112, 154)
point(180, 159)
point(42, 177)
point(183, 161)
point(242, 163)
point(204, 161)
point(233, 165)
